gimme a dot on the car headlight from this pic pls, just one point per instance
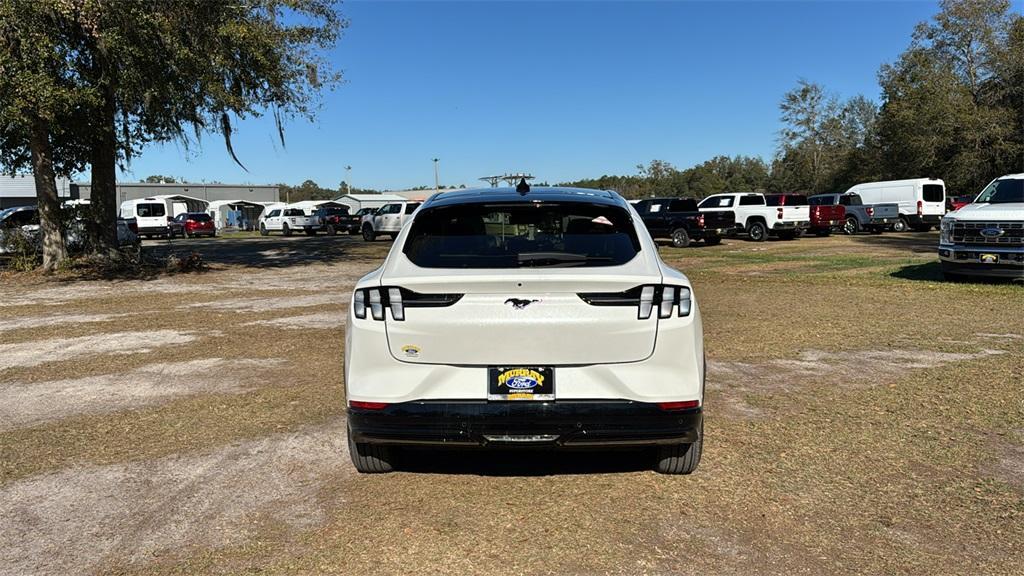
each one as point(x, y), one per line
point(946, 231)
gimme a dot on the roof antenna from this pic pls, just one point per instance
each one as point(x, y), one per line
point(523, 187)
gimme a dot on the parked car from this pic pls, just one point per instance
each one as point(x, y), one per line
point(756, 218)
point(824, 219)
point(681, 221)
point(480, 329)
point(825, 216)
point(860, 217)
point(360, 216)
point(954, 203)
point(150, 214)
point(986, 237)
point(17, 221)
point(336, 219)
point(287, 220)
point(387, 219)
point(921, 201)
point(193, 224)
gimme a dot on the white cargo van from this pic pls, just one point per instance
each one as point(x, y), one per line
point(151, 214)
point(922, 201)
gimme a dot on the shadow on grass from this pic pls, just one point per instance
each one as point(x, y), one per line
point(524, 461)
point(260, 252)
point(932, 272)
point(917, 242)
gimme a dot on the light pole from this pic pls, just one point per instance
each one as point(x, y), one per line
point(437, 186)
point(348, 179)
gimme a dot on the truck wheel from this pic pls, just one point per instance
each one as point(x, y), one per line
point(901, 225)
point(263, 230)
point(713, 241)
point(757, 231)
point(680, 458)
point(368, 233)
point(851, 226)
point(369, 458)
point(286, 230)
point(680, 238)
point(331, 230)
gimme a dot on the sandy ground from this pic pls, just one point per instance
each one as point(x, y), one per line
point(208, 437)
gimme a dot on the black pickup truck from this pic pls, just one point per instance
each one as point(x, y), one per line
point(336, 219)
point(679, 220)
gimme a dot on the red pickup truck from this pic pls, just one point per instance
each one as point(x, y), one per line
point(824, 218)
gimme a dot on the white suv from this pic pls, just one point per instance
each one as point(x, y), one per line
point(509, 317)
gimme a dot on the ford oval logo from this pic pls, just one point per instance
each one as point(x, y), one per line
point(992, 232)
point(521, 383)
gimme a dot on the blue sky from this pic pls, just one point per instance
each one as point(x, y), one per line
point(564, 90)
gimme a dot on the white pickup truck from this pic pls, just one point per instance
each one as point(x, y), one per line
point(756, 218)
point(287, 219)
point(388, 219)
point(986, 237)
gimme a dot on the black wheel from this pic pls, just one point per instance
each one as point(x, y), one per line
point(757, 231)
point(369, 458)
point(713, 241)
point(331, 230)
point(851, 226)
point(286, 230)
point(680, 238)
point(187, 235)
point(263, 230)
point(368, 234)
point(680, 458)
point(901, 225)
point(799, 233)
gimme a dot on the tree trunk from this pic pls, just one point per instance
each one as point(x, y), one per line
point(50, 224)
point(103, 197)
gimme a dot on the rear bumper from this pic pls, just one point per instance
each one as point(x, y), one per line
point(791, 225)
point(155, 230)
point(929, 219)
point(563, 423)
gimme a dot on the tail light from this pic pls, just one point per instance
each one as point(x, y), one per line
point(870, 211)
point(367, 405)
point(780, 212)
point(646, 299)
point(397, 300)
point(920, 208)
point(700, 221)
point(684, 405)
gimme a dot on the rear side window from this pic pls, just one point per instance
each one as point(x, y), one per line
point(683, 205)
point(410, 208)
point(150, 210)
point(850, 200)
point(934, 193)
point(717, 202)
point(520, 235)
point(751, 200)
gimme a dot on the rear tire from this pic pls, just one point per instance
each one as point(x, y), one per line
point(757, 231)
point(680, 458)
point(680, 238)
point(331, 230)
point(286, 230)
point(851, 226)
point(370, 458)
point(368, 234)
point(901, 225)
point(263, 230)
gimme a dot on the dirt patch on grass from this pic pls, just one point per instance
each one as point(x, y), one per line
point(266, 304)
point(29, 354)
point(27, 404)
point(78, 519)
point(28, 322)
point(736, 380)
point(317, 321)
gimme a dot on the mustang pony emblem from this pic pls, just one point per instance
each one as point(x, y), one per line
point(519, 303)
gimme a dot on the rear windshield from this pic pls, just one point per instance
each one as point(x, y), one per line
point(536, 234)
point(934, 193)
point(334, 211)
point(294, 212)
point(199, 217)
point(150, 210)
point(785, 200)
point(1002, 192)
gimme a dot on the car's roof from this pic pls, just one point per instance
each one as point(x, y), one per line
point(543, 194)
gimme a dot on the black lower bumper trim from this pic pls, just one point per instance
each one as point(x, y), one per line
point(567, 423)
point(986, 270)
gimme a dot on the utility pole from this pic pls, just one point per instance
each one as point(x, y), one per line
point(348, 179)
point(437, 185)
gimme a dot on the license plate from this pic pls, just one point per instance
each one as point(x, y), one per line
point(988, 258)
point(520, 383)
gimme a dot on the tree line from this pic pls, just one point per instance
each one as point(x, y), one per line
point(952, 107)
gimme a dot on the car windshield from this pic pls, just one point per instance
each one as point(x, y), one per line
point(1003, 192)
point(517, 235)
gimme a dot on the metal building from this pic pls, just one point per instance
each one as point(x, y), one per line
point(208, 192)
point(20, 190)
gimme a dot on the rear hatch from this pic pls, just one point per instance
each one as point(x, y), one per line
point(933, 199)
point(889, 211)
point(827, 215)
point(796, 213)
point(515, 283)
